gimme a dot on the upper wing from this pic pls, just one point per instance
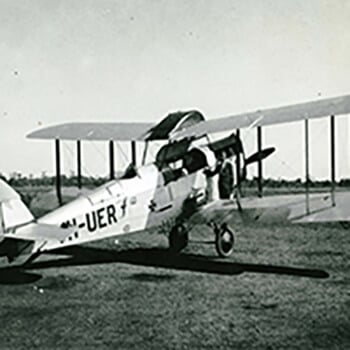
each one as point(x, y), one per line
point(93, 131)
point(309, 110)
point(192, 124)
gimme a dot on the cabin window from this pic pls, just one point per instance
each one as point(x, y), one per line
point(115, 189)
point(192, 161)
point(99, 196)
point(173, 171)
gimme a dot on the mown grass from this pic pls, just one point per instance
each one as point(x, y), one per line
point(268, 295)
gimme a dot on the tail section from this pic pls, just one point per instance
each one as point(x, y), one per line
point(13, 212)
point(22, 239)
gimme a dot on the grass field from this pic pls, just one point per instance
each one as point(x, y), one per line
point(285, 287)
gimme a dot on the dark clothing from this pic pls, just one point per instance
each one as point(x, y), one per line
point(226, 183)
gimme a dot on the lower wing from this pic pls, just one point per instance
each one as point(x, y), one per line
point(32, 239)
point(280, 208)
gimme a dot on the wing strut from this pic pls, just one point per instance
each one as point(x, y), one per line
point(58, 171)
point(145, 153)
point(260, 169)
point(111, 159)
point(238, 167)
point(133, 153)
point(307, 171)
point(79, 163)
point(332, 159)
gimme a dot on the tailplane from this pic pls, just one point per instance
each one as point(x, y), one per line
point(13, 212)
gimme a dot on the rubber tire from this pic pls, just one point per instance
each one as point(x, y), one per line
point(224, 241)
point(178, 238)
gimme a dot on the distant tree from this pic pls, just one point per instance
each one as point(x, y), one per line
point(344, 183)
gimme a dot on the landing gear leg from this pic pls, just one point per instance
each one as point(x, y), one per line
point(224, 240)
point(178, 238)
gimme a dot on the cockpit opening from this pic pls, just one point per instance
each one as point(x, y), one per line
point(194, 160)
point(189, 162)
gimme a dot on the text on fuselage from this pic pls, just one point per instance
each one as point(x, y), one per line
point(95, 219)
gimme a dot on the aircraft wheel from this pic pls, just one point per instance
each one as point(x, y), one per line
point(224, 241)
point(178, 238)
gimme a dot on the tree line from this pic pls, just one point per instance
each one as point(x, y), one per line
point(19, 180)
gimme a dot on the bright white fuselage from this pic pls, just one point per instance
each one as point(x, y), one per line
point(124, 206)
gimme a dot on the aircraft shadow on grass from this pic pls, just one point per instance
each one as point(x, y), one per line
point(152, 257)
point(157, 257)
point(13, 276)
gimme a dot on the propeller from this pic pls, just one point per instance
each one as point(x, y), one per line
point(260, 155)
point(255, 157)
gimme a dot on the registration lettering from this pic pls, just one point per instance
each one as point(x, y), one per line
point(96, 219)
point(101, 218)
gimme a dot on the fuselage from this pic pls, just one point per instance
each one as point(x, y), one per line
point(127, 205)
point(162, 195)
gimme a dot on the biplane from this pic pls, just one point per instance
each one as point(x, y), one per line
point(176, 191)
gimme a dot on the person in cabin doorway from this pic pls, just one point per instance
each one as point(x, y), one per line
point(226, 174)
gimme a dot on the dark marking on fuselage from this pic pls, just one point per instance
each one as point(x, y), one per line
point(101, 218)
point(164, 208)
point(96, 219)
point(69, 223)
point(111, 215)
point(123, 207)
point(91, 221)
point(152, 205)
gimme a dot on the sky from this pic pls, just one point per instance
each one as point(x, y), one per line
point(83, 60)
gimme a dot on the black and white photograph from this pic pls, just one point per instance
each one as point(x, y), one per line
point(175, 174)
